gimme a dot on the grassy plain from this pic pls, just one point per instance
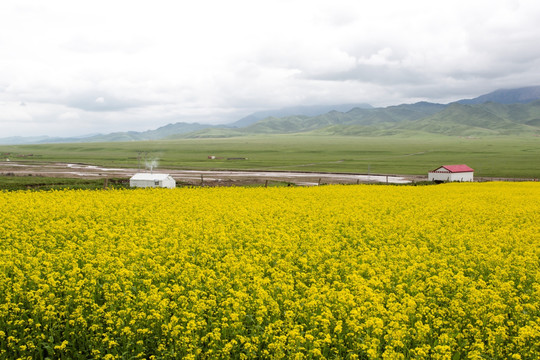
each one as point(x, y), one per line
point(489, 156)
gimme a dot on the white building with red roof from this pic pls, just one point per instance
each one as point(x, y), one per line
point(451, 173)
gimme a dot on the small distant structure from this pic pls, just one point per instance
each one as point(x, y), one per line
point(451, 173)
point(145, 180)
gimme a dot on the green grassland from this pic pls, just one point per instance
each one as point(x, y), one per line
point(13, 183)
point(505, 156)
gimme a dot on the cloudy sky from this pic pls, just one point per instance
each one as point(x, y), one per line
point(80, 67)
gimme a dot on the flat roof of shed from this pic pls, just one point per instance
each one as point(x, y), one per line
point(149, 176)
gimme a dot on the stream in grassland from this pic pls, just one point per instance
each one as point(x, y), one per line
point(194, 176)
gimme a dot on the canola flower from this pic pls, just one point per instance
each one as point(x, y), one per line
point(335, 272)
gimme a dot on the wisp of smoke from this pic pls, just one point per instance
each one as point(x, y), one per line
point(151, 164)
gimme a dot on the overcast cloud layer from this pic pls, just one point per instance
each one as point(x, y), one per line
point(74, 67)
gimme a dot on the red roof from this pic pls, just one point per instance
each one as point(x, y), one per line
point(456, 168)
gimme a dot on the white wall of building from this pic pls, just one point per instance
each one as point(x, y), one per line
point(145, 180)
point(448, 176)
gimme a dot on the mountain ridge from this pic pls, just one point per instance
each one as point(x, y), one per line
point(454, 119)
point(312, 110)
point(521, 95)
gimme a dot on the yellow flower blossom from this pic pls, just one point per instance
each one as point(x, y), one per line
point(360, 272)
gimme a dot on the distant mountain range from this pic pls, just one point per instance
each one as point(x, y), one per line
point(421, 118)
point(296, 110)
point(160, 133)
point(507, 96)
point(502, 112)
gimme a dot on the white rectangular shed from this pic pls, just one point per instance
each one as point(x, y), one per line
point(152, 180)
point(451, 173)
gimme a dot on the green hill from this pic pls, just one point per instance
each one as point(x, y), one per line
point(455, 119)
point(351, 119)
point(464, 120)
point(313, 110)
point(214, 132)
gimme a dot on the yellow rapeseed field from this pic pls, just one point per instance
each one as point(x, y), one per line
point(350, 272)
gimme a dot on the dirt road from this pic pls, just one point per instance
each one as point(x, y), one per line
point(206, 177)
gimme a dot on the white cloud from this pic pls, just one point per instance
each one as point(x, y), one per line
point(69, 115)
point(14, 112)
point(124, 65)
